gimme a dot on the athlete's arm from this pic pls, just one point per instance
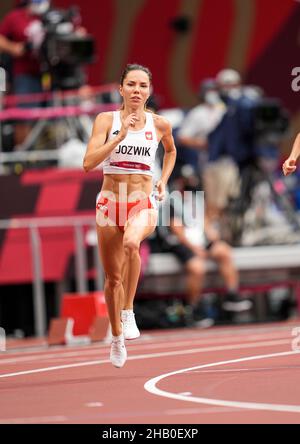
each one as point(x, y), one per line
point(289, 165)
point(98, 149)
point(165, 129)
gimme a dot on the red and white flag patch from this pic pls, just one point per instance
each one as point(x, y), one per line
point(149, 135)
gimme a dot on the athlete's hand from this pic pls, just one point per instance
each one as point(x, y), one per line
point(126, 123)
point(289, 166)
point(161, 190)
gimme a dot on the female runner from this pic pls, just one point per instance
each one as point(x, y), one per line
point(124, 142)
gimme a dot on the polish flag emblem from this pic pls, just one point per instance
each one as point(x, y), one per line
point(149, 135)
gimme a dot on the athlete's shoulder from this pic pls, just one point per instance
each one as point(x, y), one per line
point(103, 123)
point(105, 116)
point(104, 119)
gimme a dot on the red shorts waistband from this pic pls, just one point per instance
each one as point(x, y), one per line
point(120, 212)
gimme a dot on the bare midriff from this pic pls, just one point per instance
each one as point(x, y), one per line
point(127, 187)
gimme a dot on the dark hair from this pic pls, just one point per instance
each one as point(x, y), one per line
point(21, 3)
point(135, 67)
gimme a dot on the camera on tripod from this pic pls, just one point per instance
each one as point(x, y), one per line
point(64, 50)
point(270, 121)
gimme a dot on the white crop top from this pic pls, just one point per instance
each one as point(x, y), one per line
point(136, 153)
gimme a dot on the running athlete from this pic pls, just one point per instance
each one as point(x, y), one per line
point(124, 142)
point(289, 165)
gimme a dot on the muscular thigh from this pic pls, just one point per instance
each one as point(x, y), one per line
point(110, 241)
point(141, 225)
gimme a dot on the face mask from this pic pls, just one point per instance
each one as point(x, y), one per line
point(211, 98)
point(235, 93)
point(39, 8)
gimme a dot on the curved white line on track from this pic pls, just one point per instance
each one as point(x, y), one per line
point(150, 386)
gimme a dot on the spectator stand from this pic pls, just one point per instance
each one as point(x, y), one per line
point(261, 268)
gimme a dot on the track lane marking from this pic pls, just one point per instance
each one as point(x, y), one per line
point(151, 387)
point(150, 355)
point(103, 349)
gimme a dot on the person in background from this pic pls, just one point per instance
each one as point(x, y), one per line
point(200, 121)
point(21, 33)
point(218, 172)
point(193, 244)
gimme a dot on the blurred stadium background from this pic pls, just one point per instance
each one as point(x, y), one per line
point(47, 238)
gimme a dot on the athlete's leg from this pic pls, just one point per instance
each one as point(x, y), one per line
point(124, 280)
point(136, 230)
point(110, 241)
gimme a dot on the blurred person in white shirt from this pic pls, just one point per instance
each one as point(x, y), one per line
point(200, 122)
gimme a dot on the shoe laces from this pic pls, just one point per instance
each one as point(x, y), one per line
point(118, 346)
point(128, 315)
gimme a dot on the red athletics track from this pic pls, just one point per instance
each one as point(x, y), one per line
point(237, 374)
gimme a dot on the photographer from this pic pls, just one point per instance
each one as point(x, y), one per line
point(26, 33)
point(21, 30)
point(201, 133)
point(234, 137)
point(248, 137)
point(192, 136)
point(231, 144)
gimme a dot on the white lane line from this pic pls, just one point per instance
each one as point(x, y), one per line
point(133, 347)
point(34, 420)
point(215, 334)
point(57, 354)
point(196, 411)
point(94, 404)
point(254, 369)
point(151, 387)
point(151, 355)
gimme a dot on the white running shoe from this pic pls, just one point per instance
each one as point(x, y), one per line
point(118, 353)
point(130, 329)
point(234, 303)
